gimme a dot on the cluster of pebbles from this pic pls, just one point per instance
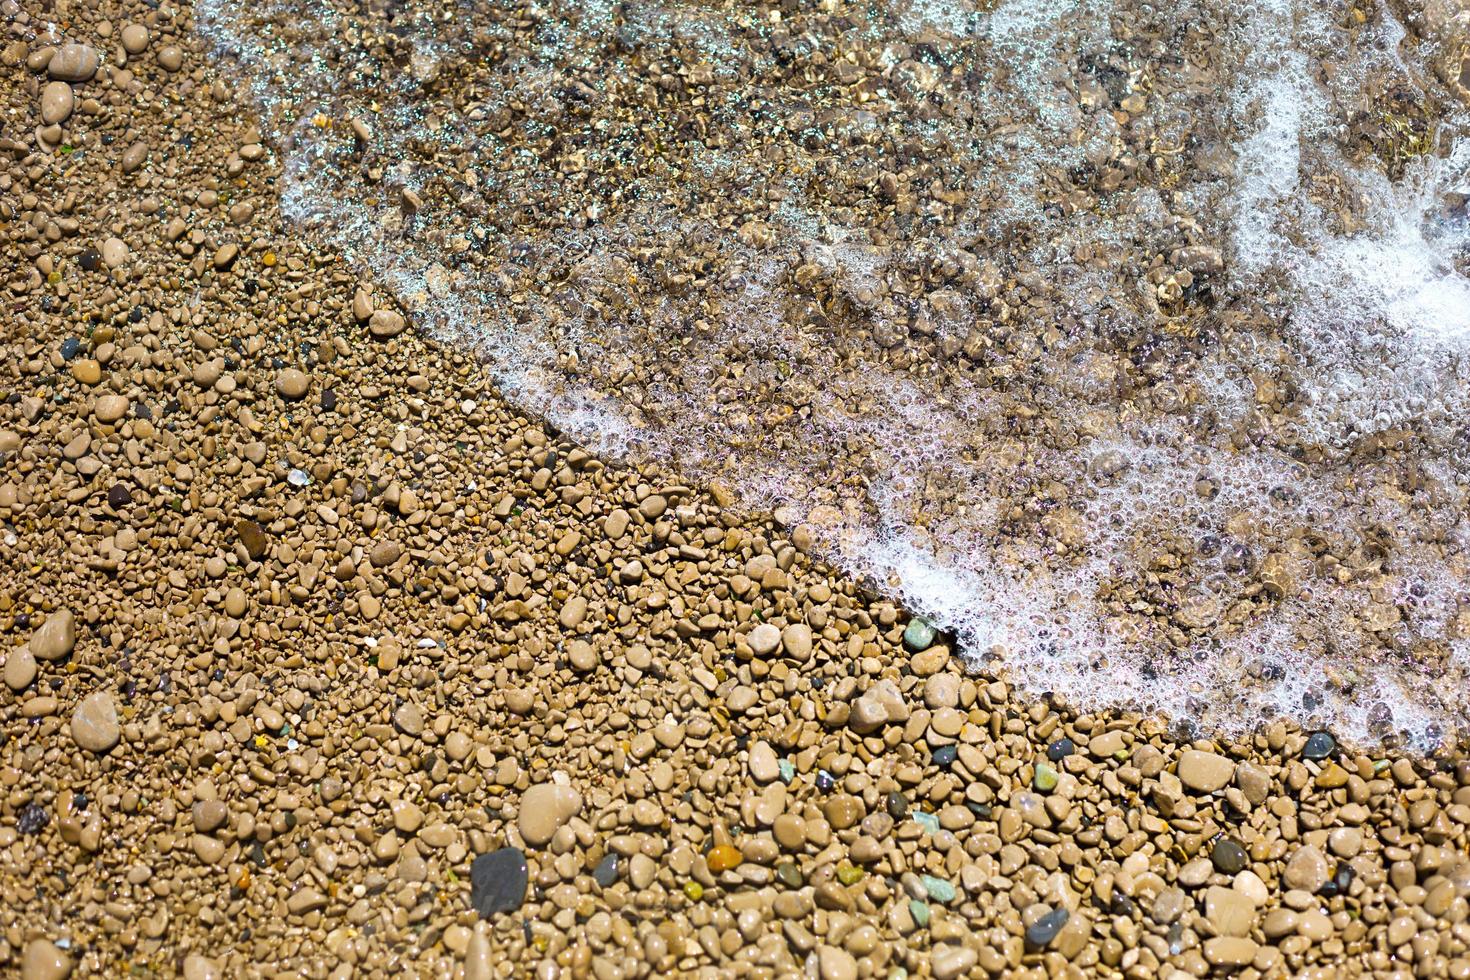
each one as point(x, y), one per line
point(322, 661)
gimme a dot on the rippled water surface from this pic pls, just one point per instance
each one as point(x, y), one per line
point(1124, 340)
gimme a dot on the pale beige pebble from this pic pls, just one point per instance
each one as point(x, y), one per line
point(197, 967)
point(764, 766)
point(948, 961)
point(385, 323)
point(370, 605)
point(73, 63)
point(1230, 951)
point(407, 816)
point(1345, 842)
point(305, 900)
point(1107, 745)
point(878, 705)
point(764, 640)
point(408, 718)
point(479, 963)
point(39, 707)
point(57, 102)
point(796, 642)
point(20, 668)
point(236, 602)
point(133, 157)
point(1230, 912)
point(114, 252)
point(928, 662)
point(135, 38)
point(111, 408)
point(56, 637)
point(836, 964)
point(1249, 884)
point(1253, 782)
point(170, 57)
point(1279, 922)
point(1307, 870)
point(1401, 930)
point(43, 961)
point(544, 808)
point(292, 384)
point(209, 815)
point(225, 255)
point(1204, 772)
point(582, 655)
point(94, 725)
point(362, 304)
point(408, 503)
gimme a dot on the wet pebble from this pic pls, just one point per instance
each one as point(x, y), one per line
point(498, 881)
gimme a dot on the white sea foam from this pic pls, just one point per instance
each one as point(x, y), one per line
point(1356, 282)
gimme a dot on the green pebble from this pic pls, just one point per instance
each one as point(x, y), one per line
point(1045, 779)
point(848, 874)
point(694, 890)
point(787, 769)
point(918, 635)
point(789, 874)
point(928, 821)
point(920, 911)
point(939, 889)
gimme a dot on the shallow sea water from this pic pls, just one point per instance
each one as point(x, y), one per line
point(1126, 344)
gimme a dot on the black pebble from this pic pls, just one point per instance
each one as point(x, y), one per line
point(898, 806)
point(119, 497)
point(606, 871)
point(1228, 856)
point(1060, 749)
point(944, 755)
point(1045, 929)
point(32, 819)
point(329, 400)
point(1319, 746)
point(498, 881)
point(69, 348)
point(90, 259)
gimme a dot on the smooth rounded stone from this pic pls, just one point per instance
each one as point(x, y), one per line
point(225, 256)
point(948, 961)
point(134, 157)
point(1041, 932)
point(111, 408)
point(918, 635)
point(56, 637)
point(1045, 779)
point(1229, 911)
point(582, 655)
point(796, 642)
point(945, 755)
point(94, 725)
point(135, 38)
point(209, 815)
point(41, 960)
point(876, 707)
point(836, 964)
point(938, 889)
point(198, 967)
point(292, 384)
point(479, 960)
point(57, 102)
point(942, 691)
point(407, 816)
point(87, 371)
point(843, 811)
point(73, 63)
point(606, 871)
point(1107, 745)
point(1319, 745)
point(1307, 870)
point(1345, 842)
point(789, 831)
point(764, 640)
point(20, 668)
point(544, 808)
point(1228, 857)
point(385, 323)
point(765, 767)
point(498, 881)
point(1204, 772)
point(114, 252)
point(170, 58)
point(1169, 905)
point(897, 805)
point(1230, 951)
point(408, 718)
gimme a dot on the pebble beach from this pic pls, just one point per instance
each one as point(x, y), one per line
point(322, 659)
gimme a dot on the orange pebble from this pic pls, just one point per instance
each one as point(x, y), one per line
point(723, 858)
